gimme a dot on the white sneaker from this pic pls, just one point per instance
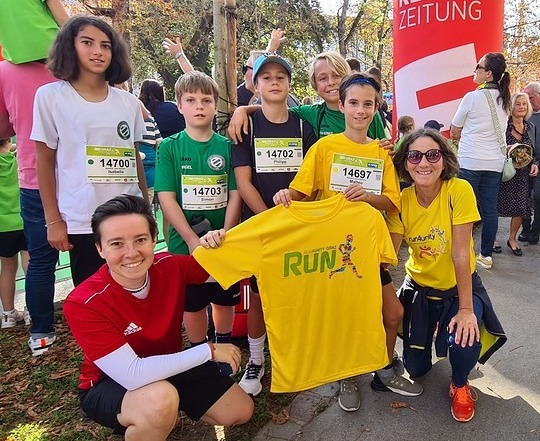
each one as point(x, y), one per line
point(38, 346)
point(15, 318)
point(251, 380)
point(484, 262)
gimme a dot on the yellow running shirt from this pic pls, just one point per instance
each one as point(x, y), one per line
point(428, 232)
point(317, 267)
point(321, 167)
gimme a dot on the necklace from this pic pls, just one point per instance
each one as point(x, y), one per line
point(145, 284)
point(517, 131)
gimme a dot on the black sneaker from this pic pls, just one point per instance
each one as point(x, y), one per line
point(533, 238)
point(524, 237)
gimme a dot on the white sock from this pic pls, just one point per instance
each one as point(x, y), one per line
point(256, 349)
point(9, 312)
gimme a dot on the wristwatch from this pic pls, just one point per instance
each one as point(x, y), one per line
point(178, 55)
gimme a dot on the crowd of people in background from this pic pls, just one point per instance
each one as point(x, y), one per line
point(91, 158)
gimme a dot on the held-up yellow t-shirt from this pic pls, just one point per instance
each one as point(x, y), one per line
point(315, 173)
point(317, 267)
point(428, 232)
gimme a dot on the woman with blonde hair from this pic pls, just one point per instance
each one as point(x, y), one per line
point(514, 200)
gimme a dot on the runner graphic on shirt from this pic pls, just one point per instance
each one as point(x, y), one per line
point(346, 250)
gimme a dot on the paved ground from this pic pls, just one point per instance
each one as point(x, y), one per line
point(508, 386)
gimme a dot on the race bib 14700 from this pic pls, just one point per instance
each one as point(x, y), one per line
point(111, 164)
point(347, 170)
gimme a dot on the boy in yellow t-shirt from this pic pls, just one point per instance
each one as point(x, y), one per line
point(353, 164)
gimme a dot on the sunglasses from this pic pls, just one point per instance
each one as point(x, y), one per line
point(415, 156)
point(246, 68)
point(480, 67)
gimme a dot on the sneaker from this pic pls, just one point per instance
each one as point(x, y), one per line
point(15, 318)
point(349, 396)
point(396, 383)
point(38, 346)
point(533, 238)
point(484, 262)
point(251, 380)
point(397, 364)
point(463, 399)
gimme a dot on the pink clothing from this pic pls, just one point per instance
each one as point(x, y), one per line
point(18, 85)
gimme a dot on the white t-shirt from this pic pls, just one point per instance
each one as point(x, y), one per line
point(479, 148)
point(67, 123)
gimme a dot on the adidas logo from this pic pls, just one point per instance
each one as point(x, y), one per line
point(132, 329)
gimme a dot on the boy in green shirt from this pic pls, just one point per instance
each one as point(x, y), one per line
point(197, 192)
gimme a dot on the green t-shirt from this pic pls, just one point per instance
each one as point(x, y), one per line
point(10, 199)
point(27, 30)
point(201, 175)
point(326, 121)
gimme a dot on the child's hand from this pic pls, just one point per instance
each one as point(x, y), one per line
point(238, 125)
point(387, 145)
point(57, 236)
point(355, 193)
point(213, 239)
point(283, 197)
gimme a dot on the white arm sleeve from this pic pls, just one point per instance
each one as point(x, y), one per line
point(132, 372)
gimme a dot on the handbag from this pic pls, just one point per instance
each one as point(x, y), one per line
point(508, 171)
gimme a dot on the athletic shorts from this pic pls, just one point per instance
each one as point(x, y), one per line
point(11, 242)
point(386, 278)
point(199, 388)
point(200, 296)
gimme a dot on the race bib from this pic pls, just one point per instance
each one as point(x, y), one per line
point(274, 155)
point(108, 165)
point(204, 192)
point(347, 170)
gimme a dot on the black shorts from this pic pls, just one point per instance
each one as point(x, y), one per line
point(199, 388)
point(386, 278)
point(200, 296)
point(11, 242)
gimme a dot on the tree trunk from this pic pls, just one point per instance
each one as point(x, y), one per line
point(220, 72)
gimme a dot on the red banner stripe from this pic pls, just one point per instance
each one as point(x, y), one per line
point(444, 92)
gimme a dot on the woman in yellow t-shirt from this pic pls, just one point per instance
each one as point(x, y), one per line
point(442, 289)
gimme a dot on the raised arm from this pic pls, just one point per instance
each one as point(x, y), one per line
point(176, 50)
point(276, 38)
point(58, 11)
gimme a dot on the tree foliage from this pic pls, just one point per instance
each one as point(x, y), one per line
point(361, 28)
point(521, 41)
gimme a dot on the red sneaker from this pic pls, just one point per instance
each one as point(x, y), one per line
point(463, 399)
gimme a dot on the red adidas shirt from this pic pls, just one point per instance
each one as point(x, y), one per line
point(103, 316)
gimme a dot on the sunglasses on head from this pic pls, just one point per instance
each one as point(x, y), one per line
point(432, 155)
point(246, 68)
